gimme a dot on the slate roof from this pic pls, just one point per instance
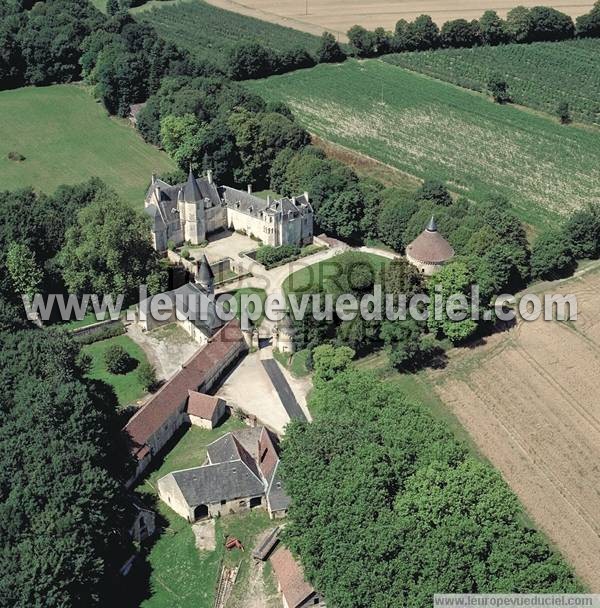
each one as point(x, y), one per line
point(215, 482)
point(251, 204)
point(190, 297)
point(290, 575)
point(276, 496)
point(205, 272)
point(430, 247)
point(173, 394)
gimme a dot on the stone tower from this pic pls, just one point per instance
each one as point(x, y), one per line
point(283, 336)
point(194, 226)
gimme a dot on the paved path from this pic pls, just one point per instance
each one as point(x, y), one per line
point(283, 389)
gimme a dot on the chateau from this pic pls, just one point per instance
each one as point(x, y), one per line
point(190, 211)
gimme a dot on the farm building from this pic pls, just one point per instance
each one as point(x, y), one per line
point(430, 250)
point(295, 590)
point(205, 410)
point(151, 427)
point(240, 473)
point(189, 212)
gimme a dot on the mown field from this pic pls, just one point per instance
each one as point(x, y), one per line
point(209, 32)
point(539, 75)
point(433, 129)
point(66, 137)
point(528, 399)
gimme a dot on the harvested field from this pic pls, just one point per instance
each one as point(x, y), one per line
point(339, 16)
point(529, 399)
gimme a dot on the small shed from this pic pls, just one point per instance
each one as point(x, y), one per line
point(205, 410)
point(267, 542)
point(296, 591)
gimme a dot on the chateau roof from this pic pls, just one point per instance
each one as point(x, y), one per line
point(191, 190)
point(430, 247)
point(201, 405)
point(205, 272)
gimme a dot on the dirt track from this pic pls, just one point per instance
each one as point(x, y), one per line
point(530, 400)
point(316, 16)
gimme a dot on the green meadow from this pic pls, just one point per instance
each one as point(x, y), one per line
point(67, 137)
point(432, 129)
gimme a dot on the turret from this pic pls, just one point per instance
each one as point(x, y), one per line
point(206, 277)
point(193, 220)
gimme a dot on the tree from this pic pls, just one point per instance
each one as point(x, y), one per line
point(519, 24)
point(147, 376)
point(454, 279)
point(393, 222)
point(108, 251)
point(24, 272)
point(492, 28)
point(552, 256)
point(588, 25)
point(435, 192)
point(423, 34)
point(582, 228)
point(113, 7)
point(363, 42)
point(406, 345)
point(340, 214)
point(563, 111)
point(328, 361)
point(117, 360)
point(460, 33)
point(182, 138)
point(498, 89)
point(249, 60)
point(550, 25)
point(400, 277)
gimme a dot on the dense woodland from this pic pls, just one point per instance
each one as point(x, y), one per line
point(388, 509)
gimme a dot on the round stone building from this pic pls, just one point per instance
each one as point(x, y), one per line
point(430, 250)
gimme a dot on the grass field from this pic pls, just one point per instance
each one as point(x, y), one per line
point(67, 137)
point(126, 386)
point(310, 278)
point(433, 129)
point(340, 15)
point(209, 32)
point(539, 75)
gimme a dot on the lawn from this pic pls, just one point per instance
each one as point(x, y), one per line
point(261, 293)
point(310, 278)
point(126, 386)
point(209, 32)
point(67, 137)
point(432, 129)
point(539, 75)
point(179, 574)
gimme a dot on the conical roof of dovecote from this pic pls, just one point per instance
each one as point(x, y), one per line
point(191, 191)
point(205, 272)
point(430, 247)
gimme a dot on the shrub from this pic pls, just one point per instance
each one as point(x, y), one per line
point(552, 256)
point(563, 111)
point(170, 245)
point(110, 331)
point(117, 360)
point(16, 156)
point(329, 51)
point(147, 376)
point(498, 89)
point(270, 256)
point(185, 253)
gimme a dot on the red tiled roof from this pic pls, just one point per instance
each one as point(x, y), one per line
point(267, 454)
point(202, 405)
point(147, 420)
point(291, 578)
point(430, 247)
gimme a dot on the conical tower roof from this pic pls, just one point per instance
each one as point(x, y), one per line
point(205, 272)
point(430, 247)
point(191, 191)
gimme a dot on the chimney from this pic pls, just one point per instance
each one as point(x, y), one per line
point(306, 196)
point(268, 199)
point(249, 188)
point(153, 177)
point(209, 176)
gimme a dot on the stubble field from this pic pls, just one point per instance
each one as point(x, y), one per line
point(339, 16)
point(529, 400)
point(432, 129)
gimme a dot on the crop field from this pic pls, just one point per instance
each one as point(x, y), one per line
point(539, 75)
point(529, 400)
point(66, 138)
point(209, 32)
point(339, 16)
point(430, 128)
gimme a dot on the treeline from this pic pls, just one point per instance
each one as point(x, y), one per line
point(522, 25)
point(389, 509)
point(59, 41)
